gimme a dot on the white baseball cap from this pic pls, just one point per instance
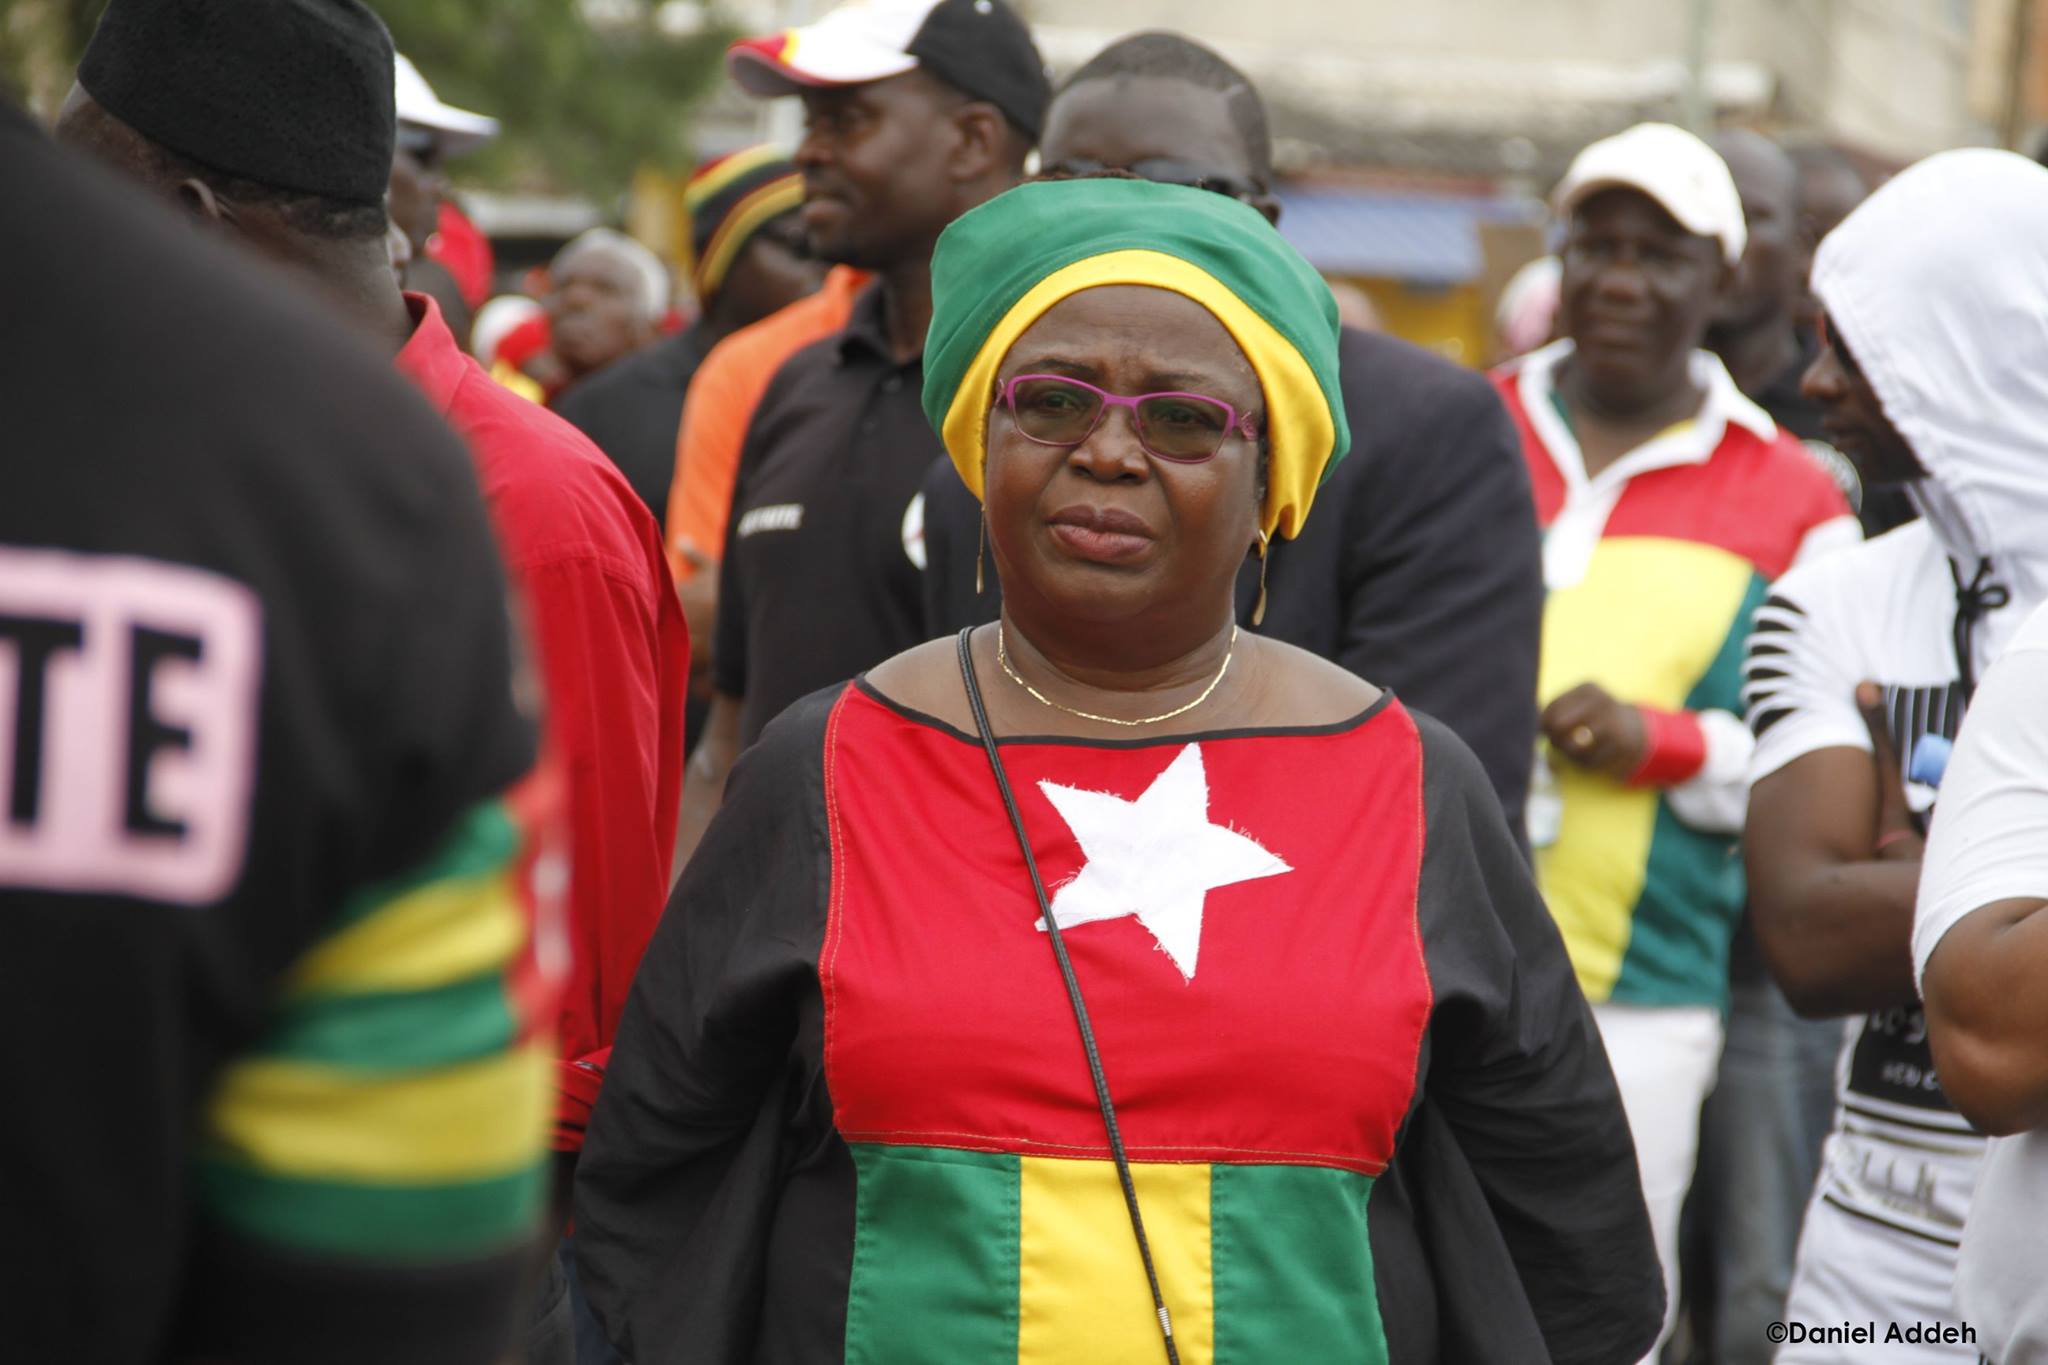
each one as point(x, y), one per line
point(982, 48)
point(461, 131)
point(1686, 177)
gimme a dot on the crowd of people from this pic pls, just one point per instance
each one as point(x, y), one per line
point(973, 774)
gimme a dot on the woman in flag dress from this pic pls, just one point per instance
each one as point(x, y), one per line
point(850, 1115)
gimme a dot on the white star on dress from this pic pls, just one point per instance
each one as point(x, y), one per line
point(1157, 857)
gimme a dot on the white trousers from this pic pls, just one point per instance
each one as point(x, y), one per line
point(1664, 1060)
point(1853, 1272)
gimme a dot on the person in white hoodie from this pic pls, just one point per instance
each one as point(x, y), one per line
point(1935, 375)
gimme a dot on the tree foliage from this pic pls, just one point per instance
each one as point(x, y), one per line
point(582, 104)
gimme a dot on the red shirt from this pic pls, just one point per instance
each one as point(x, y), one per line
point(614, 658)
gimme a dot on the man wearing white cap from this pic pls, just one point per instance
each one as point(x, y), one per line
point(1669, 502)
point(429, 133)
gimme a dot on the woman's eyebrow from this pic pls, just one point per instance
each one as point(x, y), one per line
point(1182, 381)
point(1059, 364)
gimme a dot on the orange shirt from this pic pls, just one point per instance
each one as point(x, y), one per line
point(727, 388)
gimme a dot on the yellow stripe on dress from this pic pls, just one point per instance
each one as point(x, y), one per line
point(317, 1122)
point(1298, 422)
point(1646, 622)
point(436, 935)
point(1081, 1289)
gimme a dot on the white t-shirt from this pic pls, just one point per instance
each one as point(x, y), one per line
point(1990, 843)
point(1881, 612)
point(1991, 840)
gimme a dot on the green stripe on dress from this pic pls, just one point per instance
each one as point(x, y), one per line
point(483, 841)
point(1293, 1267)
point(1693, 884)
point(424, 1223)
point(934, 1256)
point(393, 1031)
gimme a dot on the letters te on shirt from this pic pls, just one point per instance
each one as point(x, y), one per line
point(128, 712)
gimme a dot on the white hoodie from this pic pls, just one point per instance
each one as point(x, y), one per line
point(1938, 284)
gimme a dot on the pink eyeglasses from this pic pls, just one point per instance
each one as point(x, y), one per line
point(1186, 428)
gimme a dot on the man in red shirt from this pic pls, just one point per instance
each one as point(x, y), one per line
point(583, 552)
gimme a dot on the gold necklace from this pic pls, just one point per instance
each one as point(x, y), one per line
point(1003, 658)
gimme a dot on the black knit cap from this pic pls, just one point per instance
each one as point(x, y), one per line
point(292, 94)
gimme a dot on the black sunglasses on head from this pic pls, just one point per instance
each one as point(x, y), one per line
point(1161, 170)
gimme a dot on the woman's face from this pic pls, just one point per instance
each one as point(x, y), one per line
point(1102, 529)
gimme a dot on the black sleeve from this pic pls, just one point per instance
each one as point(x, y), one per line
point(952, 541)
point(1443, 585)
point(459, 692)
point(1520, 1081)
point(729, 628)
point(442, 734)
point(681, 1172)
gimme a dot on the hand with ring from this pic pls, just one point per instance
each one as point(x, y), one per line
point(1590, 729)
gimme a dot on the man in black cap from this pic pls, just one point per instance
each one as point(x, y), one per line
point(749, 259)
point(1419, 569)
point(257, 714)
point(915, 111)
point(275, 121)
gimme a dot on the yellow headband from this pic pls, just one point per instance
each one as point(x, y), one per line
point(1299, 432)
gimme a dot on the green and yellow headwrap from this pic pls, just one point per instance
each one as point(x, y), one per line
point(1000, 267)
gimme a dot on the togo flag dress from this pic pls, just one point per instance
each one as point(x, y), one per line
point(849, 1117)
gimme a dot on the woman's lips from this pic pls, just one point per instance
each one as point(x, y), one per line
point(1103, 534)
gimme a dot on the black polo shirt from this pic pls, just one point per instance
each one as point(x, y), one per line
point(824, 551)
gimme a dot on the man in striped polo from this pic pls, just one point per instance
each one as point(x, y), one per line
point(1668, 502)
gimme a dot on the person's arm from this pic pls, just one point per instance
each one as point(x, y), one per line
point(1698, 759)
point(371, 1173)
point(1697, 755)
point(1518, 1070)
point(1700, 755)
point(698, 594)
point(1987, 1014)
point(615, 698)
point(712, 760)
point(1442, 590)
point(1832, 910)
point(680, 1178)
point(708, 444)
point(1980, 939)
point(376, 1169)
point(1833, 913)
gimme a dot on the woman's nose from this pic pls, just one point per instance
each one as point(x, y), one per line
point(1113, 450)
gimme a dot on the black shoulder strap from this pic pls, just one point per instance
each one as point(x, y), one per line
point(1059, 950)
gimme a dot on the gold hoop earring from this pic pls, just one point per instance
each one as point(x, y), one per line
point(981, 552)
point(1259, 609)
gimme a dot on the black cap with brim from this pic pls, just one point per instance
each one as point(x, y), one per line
point(292, 94)
point(981, 48)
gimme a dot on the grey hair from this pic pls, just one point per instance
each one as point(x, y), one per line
point(654, 287)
